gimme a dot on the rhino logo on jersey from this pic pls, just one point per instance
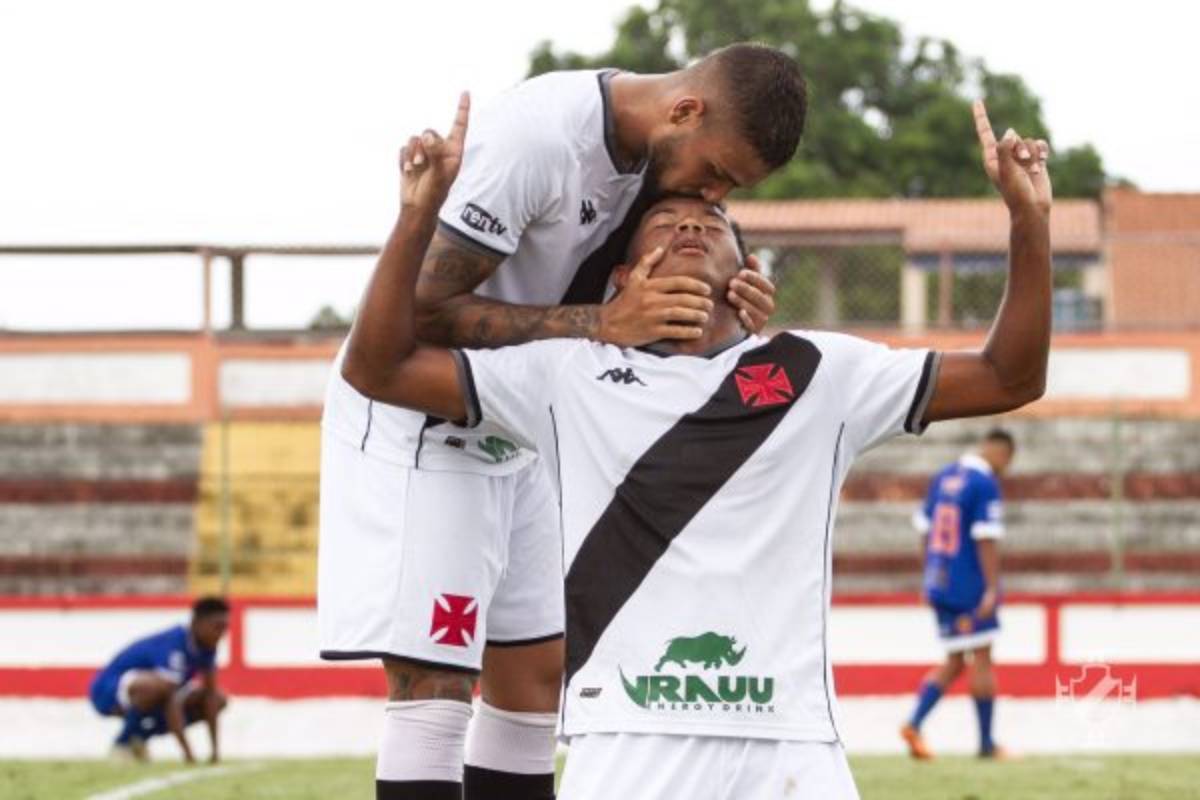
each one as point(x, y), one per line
point(691, 692)
point(709, 649)
point(499, 449)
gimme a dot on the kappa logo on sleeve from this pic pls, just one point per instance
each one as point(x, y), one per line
point(454, 618)
point(587, 212)
point(482, 220)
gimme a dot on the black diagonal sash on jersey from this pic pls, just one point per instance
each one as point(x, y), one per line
point(591, 279)
point(666, 488)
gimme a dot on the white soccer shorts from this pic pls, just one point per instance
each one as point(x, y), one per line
point(429, 565)
point(602, 766)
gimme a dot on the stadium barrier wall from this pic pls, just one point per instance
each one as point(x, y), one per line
point(1141, 646)
point(197, 377)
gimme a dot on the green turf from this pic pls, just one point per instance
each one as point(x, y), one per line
point(879, 778)
point(1044, 778)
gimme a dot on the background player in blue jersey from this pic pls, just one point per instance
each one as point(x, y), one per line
point(149, 683)
point(961, 522)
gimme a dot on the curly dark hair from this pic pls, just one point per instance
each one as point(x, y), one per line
point(766, 93)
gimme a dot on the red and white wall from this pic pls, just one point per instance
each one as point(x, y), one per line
point(1078, 673)
point(879, 644)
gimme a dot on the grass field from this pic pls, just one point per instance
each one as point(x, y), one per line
point(879, 778)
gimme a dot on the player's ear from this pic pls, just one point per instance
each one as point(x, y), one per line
point(620, 276)
point(687, 111)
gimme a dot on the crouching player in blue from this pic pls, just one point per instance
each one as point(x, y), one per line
point(150, 685)
point(961, 522)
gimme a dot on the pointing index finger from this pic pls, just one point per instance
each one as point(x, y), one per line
point(983, 126)
point(458, 131)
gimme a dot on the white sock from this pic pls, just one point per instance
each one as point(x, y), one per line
point(423, 741)
point(512, 741)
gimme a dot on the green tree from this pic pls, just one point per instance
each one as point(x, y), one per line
point(886, 117)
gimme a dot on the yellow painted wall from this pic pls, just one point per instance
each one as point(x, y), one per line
point(273, 470)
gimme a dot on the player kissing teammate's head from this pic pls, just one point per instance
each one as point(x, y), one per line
point(734, 117)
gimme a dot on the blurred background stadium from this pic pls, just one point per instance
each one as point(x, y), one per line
point(160, 395)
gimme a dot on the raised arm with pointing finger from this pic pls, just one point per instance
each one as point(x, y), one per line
point(383, 356)
point(1010, 370)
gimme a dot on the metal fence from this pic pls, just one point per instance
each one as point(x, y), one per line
point(879, 286)
point(865, 281)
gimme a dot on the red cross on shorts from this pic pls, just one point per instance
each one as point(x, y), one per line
point(454, 620)
point(763, 385)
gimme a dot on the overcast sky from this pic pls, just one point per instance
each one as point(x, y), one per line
point(270, 122)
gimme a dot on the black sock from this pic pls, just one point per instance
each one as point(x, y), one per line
point(418, 790)
point(480, 783)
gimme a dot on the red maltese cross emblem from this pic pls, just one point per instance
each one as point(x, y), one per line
point(763, 385)
point(454, 620)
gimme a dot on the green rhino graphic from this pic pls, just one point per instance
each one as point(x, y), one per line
point(499, 449)
point(708, 649)
point(719, 694)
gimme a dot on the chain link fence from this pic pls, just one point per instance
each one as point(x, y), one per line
point(879, 286)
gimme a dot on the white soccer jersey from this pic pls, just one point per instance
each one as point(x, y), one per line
point(540, 186)
point(697, 496)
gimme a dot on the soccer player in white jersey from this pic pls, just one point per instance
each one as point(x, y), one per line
point(697, 482)
point(437, 540)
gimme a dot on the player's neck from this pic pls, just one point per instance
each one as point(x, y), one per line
point(635, 103)
point(723, 330)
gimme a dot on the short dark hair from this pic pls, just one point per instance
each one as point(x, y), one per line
point(209, 606)
point(767, 95)
point(1001, 435)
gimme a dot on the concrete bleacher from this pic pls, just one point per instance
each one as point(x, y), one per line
point(1067, 529)
point(96, 508)
point(137, 508)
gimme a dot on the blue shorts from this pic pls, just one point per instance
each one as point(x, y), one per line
point(961, 629)
point(103, 693)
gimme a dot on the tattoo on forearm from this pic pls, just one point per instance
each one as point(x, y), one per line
point(498, 324)
point(473, 321)
point(450, 315)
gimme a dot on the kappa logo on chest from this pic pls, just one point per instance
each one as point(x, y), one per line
point(622, 376)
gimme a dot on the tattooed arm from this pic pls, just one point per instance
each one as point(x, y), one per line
point(449, 314)
point(383, 358)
